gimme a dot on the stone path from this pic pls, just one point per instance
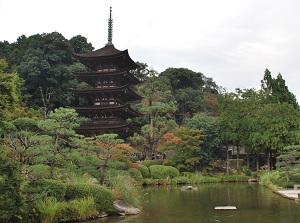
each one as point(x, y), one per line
point(292, 194)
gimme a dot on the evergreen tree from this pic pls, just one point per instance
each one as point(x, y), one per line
point(11, 200)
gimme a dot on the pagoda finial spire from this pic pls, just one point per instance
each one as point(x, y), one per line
point(110, 29)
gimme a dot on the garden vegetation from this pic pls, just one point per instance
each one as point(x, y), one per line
point(49, 173)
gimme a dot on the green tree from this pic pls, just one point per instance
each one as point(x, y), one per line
point(184, 148)
point(288, 159)
point(159, 108)
point(231, 122)
point(99, 153)
point(211, 136)
point(80, 44)
point(277, 91)
point(187, 88)
point(11, 201)
point(59, 128)
point(22, 141)
point(10, 93)
point(190, 101)
point(250, 120)
point(142, 71)
point(181, 78)
point(276, 126)
point(45, 67)
point(5, 49)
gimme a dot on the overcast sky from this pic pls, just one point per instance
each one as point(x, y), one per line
point(231, 41)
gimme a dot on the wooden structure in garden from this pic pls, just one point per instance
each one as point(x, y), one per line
point(110, 93)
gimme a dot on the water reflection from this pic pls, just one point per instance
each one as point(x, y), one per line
point(254, 204)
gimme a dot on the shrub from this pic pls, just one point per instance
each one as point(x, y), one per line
point(180, 180)
point(80, 178)
point(50, 210)
point(144, 171)
point(265, 180)
point(161, 172)
point(247, 171)
point(11, 199)
point(42, 188)
point(187, 174)
point(123, 189)
point(136, 174)
point(148, 163)
point(234, 178)
point(113, 173)
point(38, 171)
point(101, 195)
point(149, 181)
point(81, 209)
point(199, 178)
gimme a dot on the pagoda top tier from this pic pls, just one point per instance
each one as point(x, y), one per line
point(108, 56)
point(107, 51)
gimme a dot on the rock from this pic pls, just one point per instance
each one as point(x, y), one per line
point(102, 215)
point(125, 209)
point(187, 188)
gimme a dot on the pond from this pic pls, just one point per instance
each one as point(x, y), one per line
point(254, 203)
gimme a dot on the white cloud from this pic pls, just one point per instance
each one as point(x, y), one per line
point(232, 41)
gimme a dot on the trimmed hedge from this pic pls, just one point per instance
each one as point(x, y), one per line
point(162, 172)
point(148, 163)
point(136, 174)
point(144, 171)
point(102, 196)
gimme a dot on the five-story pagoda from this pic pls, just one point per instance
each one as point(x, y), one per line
point(110, 93)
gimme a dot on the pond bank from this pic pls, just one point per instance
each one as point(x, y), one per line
point(290, 194)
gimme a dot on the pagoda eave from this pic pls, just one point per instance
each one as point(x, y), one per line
point(97, 109)
point(101, 127)
point(105, 54)
point(124, 91)
point(94, 75)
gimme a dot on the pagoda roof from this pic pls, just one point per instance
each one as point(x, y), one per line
point(101, 108)
point(123, 89)
point(95, 74)
point(107, 53)
point(97, 127)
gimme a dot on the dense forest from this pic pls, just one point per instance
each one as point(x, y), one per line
point(190, 123)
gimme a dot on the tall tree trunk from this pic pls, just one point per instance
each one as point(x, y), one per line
point(102, 174)
point(248, 160)
point(257, 162)
point(151, 138)
point(51, 170)
point(271, 160)
point(268, 160)
point(227, 160)
point(238, 158)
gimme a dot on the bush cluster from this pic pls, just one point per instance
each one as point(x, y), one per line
point(102, 195)
point(144, 171)
point(42, 188)
point(136, 175)
point(51, 210)
point(163, 172)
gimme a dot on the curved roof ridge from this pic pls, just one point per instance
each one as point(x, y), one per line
point(109, 50)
